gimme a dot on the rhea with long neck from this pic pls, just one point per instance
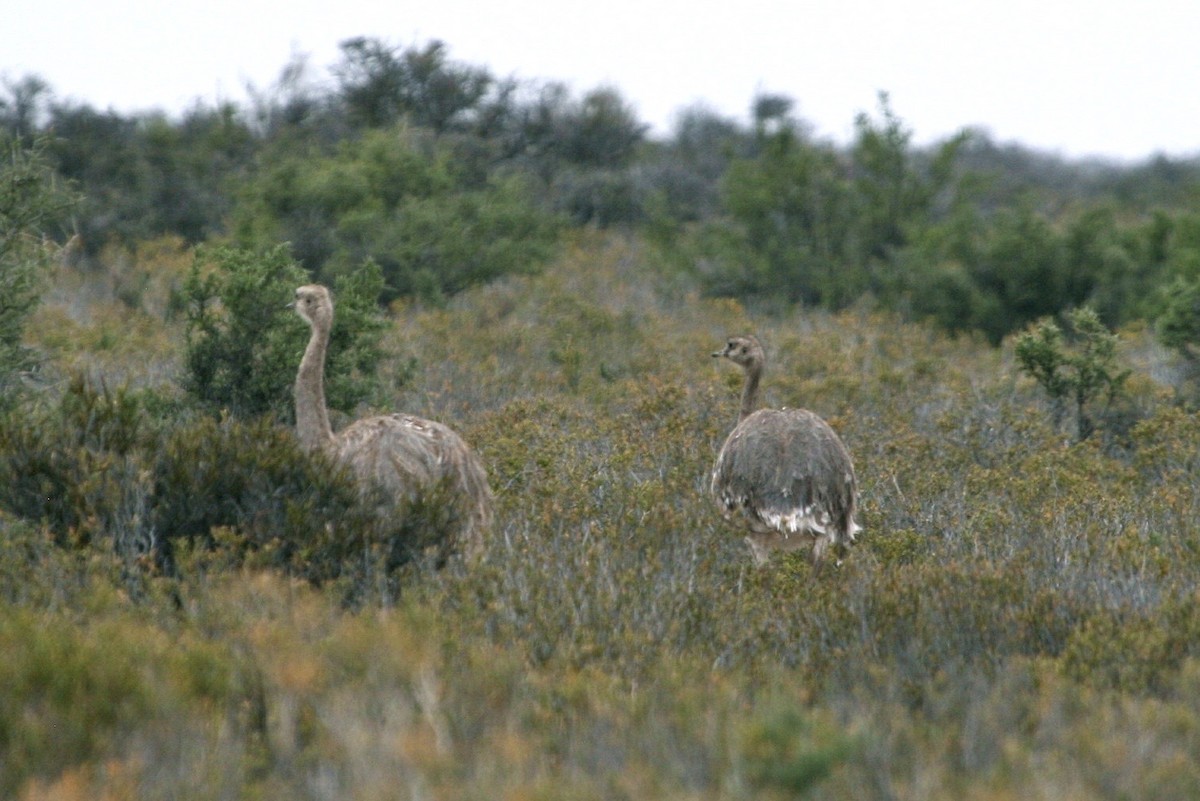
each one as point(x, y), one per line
point(402, 454)
point(783, 473)
point(314, 304)
point(747, 353)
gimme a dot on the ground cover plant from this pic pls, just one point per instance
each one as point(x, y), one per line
point(1020, 618)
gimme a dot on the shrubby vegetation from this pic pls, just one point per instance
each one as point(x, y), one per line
point(29, 198)
point(448, 177)
point(432, 227)
point(194, 608)
point(1018, 608)
point(1082, 376)
point(244, 343)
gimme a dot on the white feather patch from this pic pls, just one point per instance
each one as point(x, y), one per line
point(808, 519)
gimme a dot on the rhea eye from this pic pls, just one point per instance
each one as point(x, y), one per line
point(743, 348)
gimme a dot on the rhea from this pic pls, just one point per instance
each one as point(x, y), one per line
point(784, 474)
point(402, 455)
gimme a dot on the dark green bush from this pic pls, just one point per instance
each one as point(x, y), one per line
point(80, 467)
point(394, 198)
point(248, 494)
point(244, 345)
point(98, 472)
point(602, 198)
point(31, 203)
point(252, 477)
point(1078, 367)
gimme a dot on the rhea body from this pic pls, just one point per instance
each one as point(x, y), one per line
point(403, 455)
point(783, 474)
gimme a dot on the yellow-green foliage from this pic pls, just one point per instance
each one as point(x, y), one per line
point(110, 322)
point(1019, 620)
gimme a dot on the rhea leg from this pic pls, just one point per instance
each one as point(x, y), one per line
point(759, 551)
point(820, 545)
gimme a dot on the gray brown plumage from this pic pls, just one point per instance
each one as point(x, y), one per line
point(783, 473)
point(403, 455)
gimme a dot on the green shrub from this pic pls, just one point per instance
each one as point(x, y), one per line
point(244, 344)
point(788, 751)
point(79, 467)
point(67, 694)
point(248, 494)
point(30, 203)
point(97, 690)
point(604, 198)
point(394, 198)
point(1084, 373)
point(98, 471)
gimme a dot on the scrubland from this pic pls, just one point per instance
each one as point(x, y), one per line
point(1021, 617)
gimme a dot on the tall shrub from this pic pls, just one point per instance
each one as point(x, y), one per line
point(1078, 367)
point(244, 344)
point(30, 201)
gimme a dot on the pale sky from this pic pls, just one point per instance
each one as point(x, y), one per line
point(1110, 78)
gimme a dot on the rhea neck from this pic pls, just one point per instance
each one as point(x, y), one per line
point(753, 371)
point(312, 417)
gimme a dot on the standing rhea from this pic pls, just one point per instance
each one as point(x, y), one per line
point(783, 472)
point(400, 454)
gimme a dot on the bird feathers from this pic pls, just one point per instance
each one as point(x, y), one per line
point(783, 473)
point(787, 471)
point(396, 458)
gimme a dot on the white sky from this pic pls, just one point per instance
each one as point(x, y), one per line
point(1114, 78)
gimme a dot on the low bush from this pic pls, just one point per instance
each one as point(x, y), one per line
point(100, 470)
point(78, 466)
point(77, 691)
